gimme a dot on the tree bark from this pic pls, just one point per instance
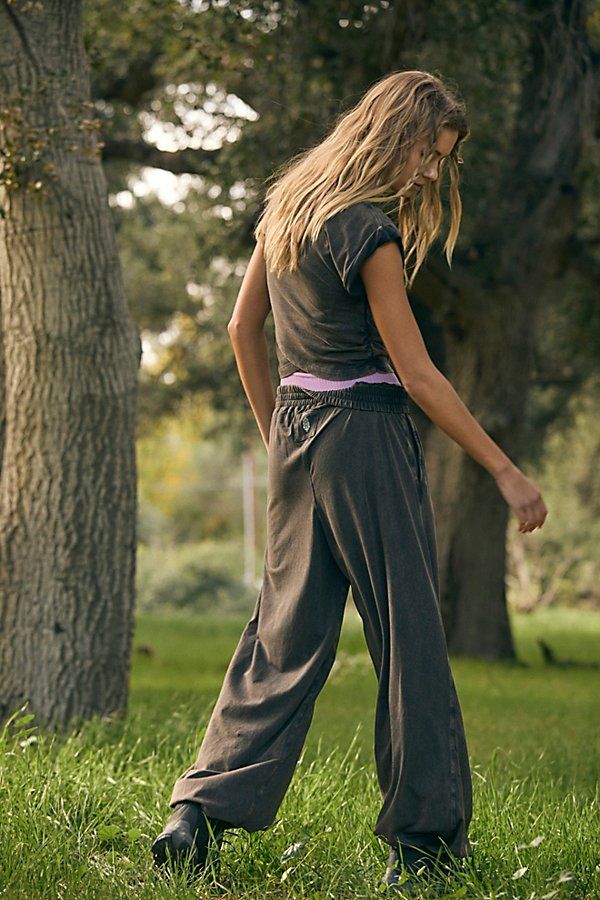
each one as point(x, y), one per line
point(71, 355)
point(488, 364)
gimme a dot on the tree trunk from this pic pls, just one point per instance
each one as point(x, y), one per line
point(489, 364)
point(71, 354)
point(471, 514)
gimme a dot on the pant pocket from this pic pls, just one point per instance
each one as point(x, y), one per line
point(310, 421)
point(417, 448)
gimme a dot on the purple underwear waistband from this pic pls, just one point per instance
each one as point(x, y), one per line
point(313, 383)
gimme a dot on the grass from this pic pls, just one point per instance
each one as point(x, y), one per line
point(82, 807)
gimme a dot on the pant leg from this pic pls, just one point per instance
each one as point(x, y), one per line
point(380, 519)
point(259, 723)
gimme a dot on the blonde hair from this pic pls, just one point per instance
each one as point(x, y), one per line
point(359, 160)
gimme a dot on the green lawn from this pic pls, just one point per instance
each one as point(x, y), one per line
point(81, 809)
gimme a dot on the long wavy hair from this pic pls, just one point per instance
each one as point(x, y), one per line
point(359, 160)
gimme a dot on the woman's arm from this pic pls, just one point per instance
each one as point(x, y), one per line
point(383, 277)
point(246, 331)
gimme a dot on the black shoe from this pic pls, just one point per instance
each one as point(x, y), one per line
point(189, 832)
point(411, 878)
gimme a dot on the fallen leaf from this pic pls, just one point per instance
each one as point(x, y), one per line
point(293, 850)
point(564, 876)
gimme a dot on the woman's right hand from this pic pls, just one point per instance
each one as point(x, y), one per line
point(523, 497)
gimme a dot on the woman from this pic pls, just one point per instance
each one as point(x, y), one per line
point(348, 497)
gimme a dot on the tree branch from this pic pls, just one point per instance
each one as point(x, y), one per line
point(180, 162)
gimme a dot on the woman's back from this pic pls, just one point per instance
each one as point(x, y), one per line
point(323, 321)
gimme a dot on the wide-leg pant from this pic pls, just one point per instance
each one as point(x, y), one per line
point(348, 505)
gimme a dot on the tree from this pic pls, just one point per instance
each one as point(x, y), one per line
point(70, 355)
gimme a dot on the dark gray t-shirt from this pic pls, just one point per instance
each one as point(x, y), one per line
point(323, 321)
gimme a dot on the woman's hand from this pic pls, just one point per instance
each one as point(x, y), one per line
point(523, 497)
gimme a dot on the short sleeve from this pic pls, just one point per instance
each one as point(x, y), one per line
point(354, 234)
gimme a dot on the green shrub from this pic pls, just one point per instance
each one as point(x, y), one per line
point(193, 577)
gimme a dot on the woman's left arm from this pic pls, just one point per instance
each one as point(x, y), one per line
point(383, 276)
point(246, 331)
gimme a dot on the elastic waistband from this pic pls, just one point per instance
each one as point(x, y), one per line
point(382, 397)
